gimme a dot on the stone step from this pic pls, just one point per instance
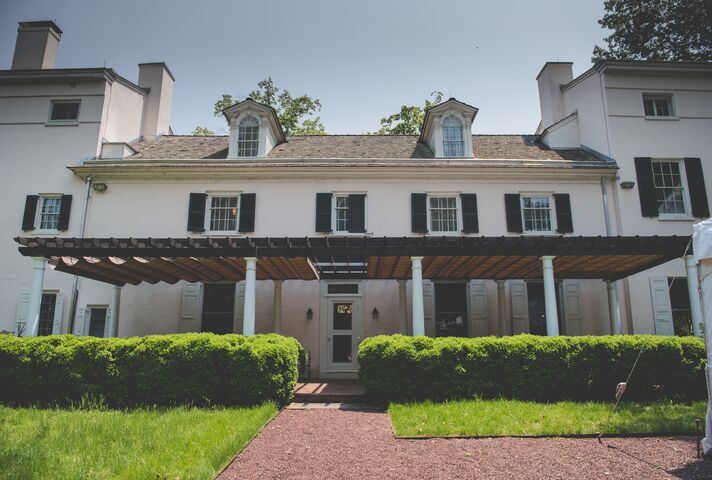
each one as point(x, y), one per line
point(332, 391)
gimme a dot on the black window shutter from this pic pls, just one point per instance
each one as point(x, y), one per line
point(513, 209)
point(470, 221)
point(323, 212)
point(357, 213)
point(196, 212)
point(28, 218)
point(696, 184)
point(418, 212)
point(247, 212)
point(646, 187)
point(564, 219)
point(65, 208)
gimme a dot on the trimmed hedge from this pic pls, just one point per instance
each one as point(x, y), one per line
point(528, 367)
point(192, 368)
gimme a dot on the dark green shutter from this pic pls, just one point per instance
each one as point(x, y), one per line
point(646, 187)
point(323, 212)
point(247, 212)
point(564, 219)
point(696, 184)
point(196, 212)
point(357, 213)
point(28, 218)
point(470, 220)
point(65, 207)
point(418, 212)
point(513, 209)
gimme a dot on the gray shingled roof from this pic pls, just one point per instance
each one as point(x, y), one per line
point(515, 147)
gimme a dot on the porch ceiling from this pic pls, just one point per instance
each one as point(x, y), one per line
point(136, 260)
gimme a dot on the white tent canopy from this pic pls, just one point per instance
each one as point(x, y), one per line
point(702, 246)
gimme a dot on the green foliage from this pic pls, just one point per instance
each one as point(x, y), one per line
point(193, 368)
point(657, 30)
point(201, 131)
point(513, 417)
point(150, 443)
point(409, 119)
point(528, 367)
point(291, 111)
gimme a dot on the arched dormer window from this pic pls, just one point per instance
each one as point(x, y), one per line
point(453, 143)
point(248, 137)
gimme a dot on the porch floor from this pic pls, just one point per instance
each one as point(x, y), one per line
point(331, 391)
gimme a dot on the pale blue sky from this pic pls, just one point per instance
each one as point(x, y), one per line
point(363, 59)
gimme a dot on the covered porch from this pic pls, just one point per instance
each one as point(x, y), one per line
point(121, 261)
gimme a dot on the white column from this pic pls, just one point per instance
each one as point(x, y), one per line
point(614, 311)
point(418, 311)
point(552, 317)
point(33, 310)
point(502, 308)
point(693, 288)
point(248, 325)
point(402, 307)
point(115, 305)
point(277, 307)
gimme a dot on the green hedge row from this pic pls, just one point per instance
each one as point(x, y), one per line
point(527, 367)
point(193, 368)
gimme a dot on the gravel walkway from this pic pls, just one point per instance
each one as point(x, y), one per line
point(335, 444)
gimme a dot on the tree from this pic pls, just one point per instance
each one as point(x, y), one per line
point(291, 111)
point(201, 131)
point(657, 30)
point(409, 119)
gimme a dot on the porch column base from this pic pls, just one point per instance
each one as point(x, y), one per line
point(418, 310)
point(614, 312)
point(32, 325)
point(693, 289)
point(248, 317)
point(115, 305)
point(277, 307)
point(552, 317)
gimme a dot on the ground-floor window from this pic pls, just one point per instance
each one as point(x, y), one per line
point(97, 321)
point(680, 304)
point(451, 309)
point(47, 311)
point(537, 308)
point(218, 307)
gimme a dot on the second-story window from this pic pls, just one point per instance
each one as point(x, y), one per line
point(48, 212)
point(453, 143)
point(443, 214)
point(657, 105)
point(248, 137)
point(341, 213)
point(669, 186)
point(223, 213)
point(536, 213)
point(64, 111)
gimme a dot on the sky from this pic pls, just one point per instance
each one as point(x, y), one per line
point(363, 59)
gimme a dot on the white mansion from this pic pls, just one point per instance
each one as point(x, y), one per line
point(126, 229)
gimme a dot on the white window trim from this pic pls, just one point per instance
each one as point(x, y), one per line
point(685, 192)
point(261, 136)
point(552, 213)
point(38, 213)
point(659, 95)
point(208, 203)
point(458, 214)
point(344, 233)
point(462, 133)
point(64, 122)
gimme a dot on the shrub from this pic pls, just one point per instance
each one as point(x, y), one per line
point(527, 367)
point(192, 368)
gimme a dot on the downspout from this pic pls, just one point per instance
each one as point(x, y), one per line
point(75, 283)
point(613, 306)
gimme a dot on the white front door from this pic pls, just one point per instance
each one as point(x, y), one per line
point(344, 330)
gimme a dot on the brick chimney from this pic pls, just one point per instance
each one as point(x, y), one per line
point(157, 107)
point(36, 46)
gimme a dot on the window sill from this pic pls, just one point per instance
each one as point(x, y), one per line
point(678, 218)
point(670, 118)
point(444, 234)
point(347, 234)
point(541, 234)
point(222, 234)
point(45, 232)
point(62, 123)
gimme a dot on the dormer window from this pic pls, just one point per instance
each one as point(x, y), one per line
point(248, 137)
point(453, 143)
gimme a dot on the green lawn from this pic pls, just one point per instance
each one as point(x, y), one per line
point(175, 443)
point(512, 418)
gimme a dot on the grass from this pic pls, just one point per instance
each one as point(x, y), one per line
point(173, 443)
point(517, 418)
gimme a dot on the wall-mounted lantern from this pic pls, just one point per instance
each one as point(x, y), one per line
point(100, 187)
point(374, 313)
point(310, 313)
point(627, 185)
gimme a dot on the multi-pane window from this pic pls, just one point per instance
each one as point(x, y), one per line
point(341, 210)
point(223, 213)
point(657, 105)
point(97, 321)
point(64, 111)
point(248, 141)
point(443, 214)
point(453, 143)
point(48, 212)
point(667, 179)
point(536, 213)
point(47, 310)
